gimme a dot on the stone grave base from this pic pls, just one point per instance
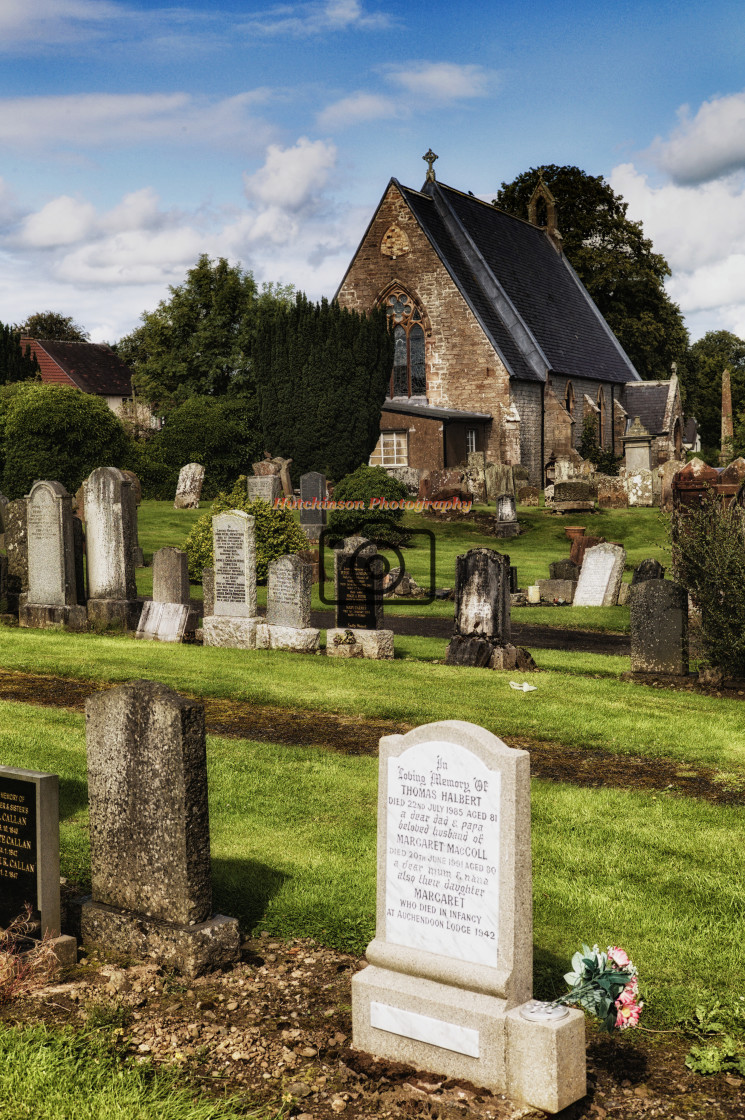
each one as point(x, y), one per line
point(376, 644)
point(469, 1035)
point(293, 638)
point(230, 631)
point(506, 529)
point(480, 653)
point(42, 617)
point(551, 589)
point(573, 507)
point(65, 949)
point(124, 613)
point(191, 950)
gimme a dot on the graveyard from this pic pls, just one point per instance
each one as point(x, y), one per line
point(636, 793)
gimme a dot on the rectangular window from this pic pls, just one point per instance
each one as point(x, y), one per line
point(391, 450)
point(470, 440)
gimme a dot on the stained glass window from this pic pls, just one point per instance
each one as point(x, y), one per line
point(409, 377)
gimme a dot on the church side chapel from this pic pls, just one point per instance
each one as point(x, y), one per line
point(499, 348)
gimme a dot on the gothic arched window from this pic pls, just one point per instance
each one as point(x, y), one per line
point(569, 399)
point(409, 369)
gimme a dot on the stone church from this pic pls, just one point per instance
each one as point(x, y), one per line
point(498, 345)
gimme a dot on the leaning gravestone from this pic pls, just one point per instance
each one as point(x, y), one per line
point(358, 592)
point(312, 494)
point(481, 635)
point(189, 487)
point(267, 487)
point(288, 591)
point(600, 578)
point(150, 845)
point(659, 628)
point(109, 542)
point(449, 981)
point(234, 618)
point(51, 601)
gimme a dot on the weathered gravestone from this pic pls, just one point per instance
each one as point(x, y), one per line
point(573, 496)
point(481, 635)
point(16, 546)
point(189, 486)
point(168, 617)
point(647, 569)
point(3, 508)
point(639, 488)
point(109, 544)
point(234, 618)
point(208, 591)
point(149, 825)
point(658, 612)
point(580, 546)
point(312, 494)
point(556, 590)
point(51, 600)
point(600, 578)
point(29, 854)
point(506, 524)
point(563, 569)
point(358, 594)
point(449, 979)
point(267, 487)
point(288, 591)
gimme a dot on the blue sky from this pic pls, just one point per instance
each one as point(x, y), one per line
point(134, 136)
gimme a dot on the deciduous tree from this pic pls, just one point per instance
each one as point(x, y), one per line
point(53, 325)
point(707, 360)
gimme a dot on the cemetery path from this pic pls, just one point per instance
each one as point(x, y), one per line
point(549, 760)
point(523, 634)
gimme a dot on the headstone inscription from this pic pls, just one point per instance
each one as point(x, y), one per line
point(288, 591)
point(29, 847)
point(506, 524)
point(450, 969)
point(109, 537)
point(313, 491)
point(234, 618)
point(267, 487)
point(189, 486)
point(481, 636)
point(658, 611)
point(600, 578)
point(358, 587)
point(51, 600)
point(149, 823)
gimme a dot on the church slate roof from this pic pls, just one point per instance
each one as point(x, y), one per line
point(529, 301)
point(648, 401)
point(93, 367)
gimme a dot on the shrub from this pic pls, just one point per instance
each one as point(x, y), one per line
point(221, 433)
point(708, 545)
point(374, 523)
point(157, 478)
point(277, 532)
point(604, 461)
point(56, 432)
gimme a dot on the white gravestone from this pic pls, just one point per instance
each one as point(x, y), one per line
point(451, 965)
point(600, 576)
point(52, 594)
point(165, 622)
point(234, 618)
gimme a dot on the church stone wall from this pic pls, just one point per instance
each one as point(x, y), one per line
point(463, 370)
point(527, 396)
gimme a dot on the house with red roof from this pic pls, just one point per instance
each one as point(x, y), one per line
point(89, 366)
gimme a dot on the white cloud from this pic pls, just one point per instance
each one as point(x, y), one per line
point(707, 145)
point(291, 178)
point(356, 109)
point(315, 19)
point(63, 221)
point(700, 230)
point(105, 120)
point(47, 22)
point(442, 81)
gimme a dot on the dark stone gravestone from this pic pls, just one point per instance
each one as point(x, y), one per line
point(659, 628)
point(358, 591)
point(150, 848)
point(648, 569)
point(563, 569)
point(481, 635)
point(29, 847)
point(580, 546)
point(514, 587)
point(312, 490)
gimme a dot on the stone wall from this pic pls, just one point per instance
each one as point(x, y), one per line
point(527, 396)
point(463, 369)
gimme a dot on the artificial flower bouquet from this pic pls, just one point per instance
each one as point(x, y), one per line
point(606, 985)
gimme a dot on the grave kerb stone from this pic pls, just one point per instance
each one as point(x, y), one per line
point(600, 577)
point(29, 846)
point(449, 963)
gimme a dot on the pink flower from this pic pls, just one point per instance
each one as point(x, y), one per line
point(627, 996)
point(619, 957)
point(628, 1016)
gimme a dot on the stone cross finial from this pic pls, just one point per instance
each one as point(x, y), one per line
point(429, 159)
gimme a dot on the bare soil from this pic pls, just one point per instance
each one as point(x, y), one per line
point(278, 1025)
